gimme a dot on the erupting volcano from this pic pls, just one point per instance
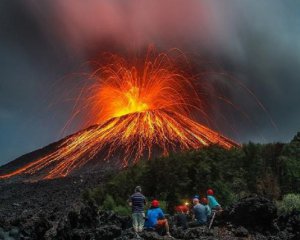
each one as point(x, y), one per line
point(134, 112)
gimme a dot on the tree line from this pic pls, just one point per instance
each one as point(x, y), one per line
point(272, 170)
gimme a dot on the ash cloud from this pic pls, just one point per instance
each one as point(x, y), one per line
point(43, 41)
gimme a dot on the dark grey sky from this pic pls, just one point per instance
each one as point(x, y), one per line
point(42, 43)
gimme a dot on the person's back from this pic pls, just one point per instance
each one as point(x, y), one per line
point(212, 201)
point(200, 212)
point(153, 215)
point(137, 202)
point(181, 216)
point(156, 218)
point(204, 201)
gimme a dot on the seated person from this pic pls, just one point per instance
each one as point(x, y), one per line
point(212, 201)
point(196, 196)
point(155, 218)
point(204, 202)
point(200, 213)
point(181, 216)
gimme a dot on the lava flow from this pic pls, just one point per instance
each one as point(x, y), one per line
point(136, 113)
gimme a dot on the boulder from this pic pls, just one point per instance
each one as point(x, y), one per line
point(14, 232)
point(257, 213)
point(290, 224)
point(108, 232)
point(241, 232)
point(88, 216)
point(151, 235)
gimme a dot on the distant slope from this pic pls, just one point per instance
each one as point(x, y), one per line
point(119, 142)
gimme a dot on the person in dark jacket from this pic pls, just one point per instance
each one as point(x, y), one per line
point(204, 202)
point(137, 202)
point(181, 215)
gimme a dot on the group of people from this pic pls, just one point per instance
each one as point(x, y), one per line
point(201, 212)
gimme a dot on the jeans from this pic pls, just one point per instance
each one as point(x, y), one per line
point(138, 220)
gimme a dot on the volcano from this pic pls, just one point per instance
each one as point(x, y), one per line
point(132, 112)
point(118, 142)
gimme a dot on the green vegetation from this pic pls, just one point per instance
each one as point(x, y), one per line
point(289, 203)
point(272, 170)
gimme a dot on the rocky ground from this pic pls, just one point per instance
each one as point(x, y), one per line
point(51, 198)
point(53, 210)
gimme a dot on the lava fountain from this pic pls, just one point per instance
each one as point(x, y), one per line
point(135, 112)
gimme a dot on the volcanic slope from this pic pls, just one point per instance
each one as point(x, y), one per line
point(117, 143)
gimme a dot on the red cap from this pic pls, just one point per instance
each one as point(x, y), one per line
point(210, 192)
point(155, 203)
point(204, 200)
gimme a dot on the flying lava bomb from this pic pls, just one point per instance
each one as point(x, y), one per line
point(135, 112)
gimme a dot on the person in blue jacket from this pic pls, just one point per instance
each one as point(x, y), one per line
point(212, 201)
point(155, 218)
point(200, 214)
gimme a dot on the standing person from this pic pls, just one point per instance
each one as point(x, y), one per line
point(156, 219)
point(137, 202)
point(212, 201)
point(200, 213)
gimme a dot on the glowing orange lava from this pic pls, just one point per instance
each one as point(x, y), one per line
point(136, 113)
point(120, 89)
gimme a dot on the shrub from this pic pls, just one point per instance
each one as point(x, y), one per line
point(122, 210)
point(98, 195)
point(109, 203)
point(224, 193)
point(289, 203)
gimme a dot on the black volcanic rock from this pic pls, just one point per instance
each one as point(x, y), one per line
point(53, 210)
point(35, 228)
point(256, 213)
point(241, 232)
point(87, 222)
point(92, 223)
point(290, 224)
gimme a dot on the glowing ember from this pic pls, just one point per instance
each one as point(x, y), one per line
point(138, 114)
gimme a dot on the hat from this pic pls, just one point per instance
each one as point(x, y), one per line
point(210, 192)
point(204, 200)
point(196, 196)
point(155, 203)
